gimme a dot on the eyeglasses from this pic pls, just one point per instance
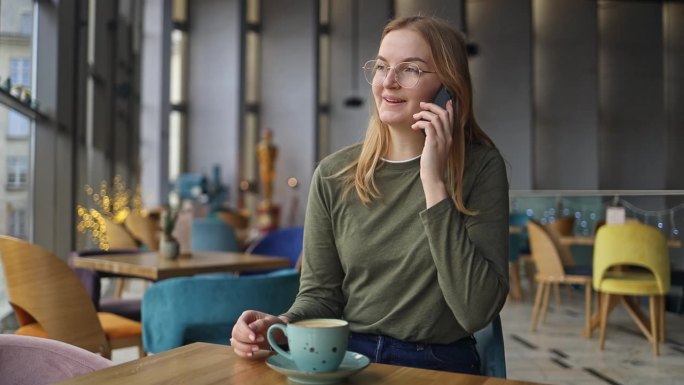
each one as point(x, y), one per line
point(406, 74)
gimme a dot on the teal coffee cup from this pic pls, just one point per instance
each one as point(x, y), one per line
point(316, 345)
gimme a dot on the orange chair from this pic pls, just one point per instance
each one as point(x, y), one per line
point(50, 302)
point(550, 271)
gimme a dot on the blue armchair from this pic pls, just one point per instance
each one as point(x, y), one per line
point(180, 311)
point(212, 234)
point(490, 347)
point(286, 242)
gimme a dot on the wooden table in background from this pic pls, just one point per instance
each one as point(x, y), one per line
point(153, 266)
point(577, 240)
point(202, 363)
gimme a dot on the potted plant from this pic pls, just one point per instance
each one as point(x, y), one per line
point(168, 245)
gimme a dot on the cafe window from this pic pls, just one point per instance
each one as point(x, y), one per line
point(20, 71)
point(26, 23)
point(178, 88)
point(17, 172)
point(16, 222)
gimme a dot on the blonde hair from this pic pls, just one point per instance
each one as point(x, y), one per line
point(448, 49)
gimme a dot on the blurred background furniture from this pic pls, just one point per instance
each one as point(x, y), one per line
point(144, 229)
point(117, 236)
point(42, 361)
point(518, 227)
point(286, 242)
point(190, 185)
point(550, 271)
point(212, 234)
point(49, 301)
point(239, 220)
point(632, 260)
point(490, 347)
point(515, 241)
point(151, 266)
point(92, 280)
point(180, 311)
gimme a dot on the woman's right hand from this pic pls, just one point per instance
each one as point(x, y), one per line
point(249, 332)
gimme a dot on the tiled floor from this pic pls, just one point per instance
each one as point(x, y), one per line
point(558, 354)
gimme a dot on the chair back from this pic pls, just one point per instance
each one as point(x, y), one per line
point(38, 361)
point(212, 234)
point(117, 236)
point(42, 288)
point(545, 252)
point(180, 311)
point(286, 242)
point(562, 227)
point(515, 243)
point(490, 347)
point(144, 229)
point(125, 307)
point(632, 244)
point(518, 219)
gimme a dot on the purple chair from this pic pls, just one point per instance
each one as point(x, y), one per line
point(28, 360)
point(125, 307)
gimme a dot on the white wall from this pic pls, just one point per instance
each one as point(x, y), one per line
point(502, 80)
point(288, 104)
point(214, 88)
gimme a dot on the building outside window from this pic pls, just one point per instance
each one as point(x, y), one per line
point(16, 222)
point(17, 172)
point(16, 156)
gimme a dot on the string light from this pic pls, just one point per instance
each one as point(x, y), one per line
point(115, 206)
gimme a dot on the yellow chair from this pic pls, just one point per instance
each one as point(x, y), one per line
point(50, 302)
point(550, 271)
point(632, 260)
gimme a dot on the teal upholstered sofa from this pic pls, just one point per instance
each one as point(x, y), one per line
point(180, 311)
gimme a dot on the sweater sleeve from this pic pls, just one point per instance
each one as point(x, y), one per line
point(320, 292)
point(471, 252)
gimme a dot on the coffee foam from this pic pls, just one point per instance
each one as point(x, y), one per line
point(321, 323)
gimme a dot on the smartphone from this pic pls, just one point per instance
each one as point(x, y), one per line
point(442, 97)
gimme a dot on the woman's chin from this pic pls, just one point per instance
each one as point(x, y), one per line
point(394, 119)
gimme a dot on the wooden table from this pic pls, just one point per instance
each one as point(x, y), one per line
point(153, 266)
point(202, 363)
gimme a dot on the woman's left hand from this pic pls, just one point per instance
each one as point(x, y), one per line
point(436, 123)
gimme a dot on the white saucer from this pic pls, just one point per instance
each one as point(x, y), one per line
point(352, 363)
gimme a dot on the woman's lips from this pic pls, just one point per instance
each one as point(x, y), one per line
point(393, 100)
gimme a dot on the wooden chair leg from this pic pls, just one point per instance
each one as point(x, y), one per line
point(587, 310)
point(537, 306)
point(556, 292)
point(120, 286)
point(545, 305)
point(605, 304)
point(661, 329)
point(528, 264)
point(514, 274)
point(653, 309)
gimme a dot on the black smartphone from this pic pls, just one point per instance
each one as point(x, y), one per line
point(442, 97)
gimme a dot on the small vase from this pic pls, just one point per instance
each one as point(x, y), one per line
point(169, 248)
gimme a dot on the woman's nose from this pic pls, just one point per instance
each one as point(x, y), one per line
point(391, 79)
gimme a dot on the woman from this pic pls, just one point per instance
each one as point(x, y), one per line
point(406, 234)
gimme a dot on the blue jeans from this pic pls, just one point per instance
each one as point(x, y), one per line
point(459, 356)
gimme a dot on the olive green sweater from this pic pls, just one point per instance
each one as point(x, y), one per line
point(398, 269)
